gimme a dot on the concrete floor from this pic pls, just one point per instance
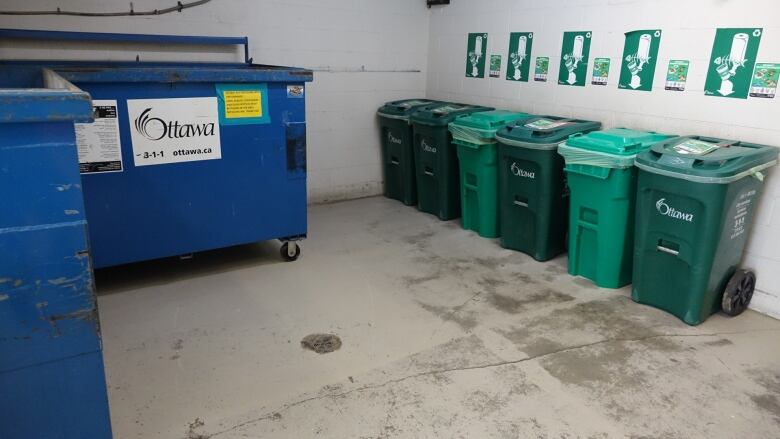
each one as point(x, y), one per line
point(444, 334)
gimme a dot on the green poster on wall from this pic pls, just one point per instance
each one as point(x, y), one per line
point(764, 83)
point(731, 63)
point(519, 56)
point(476, 48)
point(574, 58)
point(495, 66)
point(541, 68)
point(677, 74)
point(600, 71)
point(640, 52)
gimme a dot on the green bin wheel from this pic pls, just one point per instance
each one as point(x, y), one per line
point(738, 292)
point(290, 254)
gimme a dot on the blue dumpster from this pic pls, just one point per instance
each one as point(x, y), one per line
point(52, 383)
point(186, 157)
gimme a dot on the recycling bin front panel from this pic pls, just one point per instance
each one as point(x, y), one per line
point(172, 168)
point(474, 136)
point(534, 197)
point(689, 241)
point(436, 158)
point(602, 180)
point(696, 198)
point(397, 151)
point(437, 172)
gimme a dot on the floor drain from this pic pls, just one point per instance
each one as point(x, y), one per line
point(321, 343)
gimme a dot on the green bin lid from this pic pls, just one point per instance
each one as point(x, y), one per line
point(483, 125)
point(616, 141)
point(442, 113)
point(403, 109)
point(547, 130)
point(707, 159)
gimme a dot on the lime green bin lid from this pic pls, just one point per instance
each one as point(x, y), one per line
point(617, 141)
point(706, 159)
point(481, 127)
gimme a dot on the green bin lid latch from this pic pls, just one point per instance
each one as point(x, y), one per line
point(442, 113)
point(545, 129)
point(707, 159)
point(403, 108)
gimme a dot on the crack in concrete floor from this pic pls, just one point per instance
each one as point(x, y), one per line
point(275, 414)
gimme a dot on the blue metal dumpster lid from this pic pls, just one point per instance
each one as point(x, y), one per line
point(166, 72)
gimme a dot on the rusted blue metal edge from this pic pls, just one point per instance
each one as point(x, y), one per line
point(87, 71)
point(30, 34)
point(183, 73)
point(40, 105)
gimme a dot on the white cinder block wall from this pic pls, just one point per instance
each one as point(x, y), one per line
point(364, 53)
point(688, 31)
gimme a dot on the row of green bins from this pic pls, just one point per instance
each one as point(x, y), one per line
point(475, 137)
point(397, 149)
point(696, 198)
point(435, 158)
point(602, 180)
point(532, 188)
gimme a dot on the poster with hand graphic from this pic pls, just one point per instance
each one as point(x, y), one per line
point(519, 57)
point(731, 64)
point(640, 53)
point(476, 48)
point(574, 58)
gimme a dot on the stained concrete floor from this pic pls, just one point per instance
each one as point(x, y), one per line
point(445, 334)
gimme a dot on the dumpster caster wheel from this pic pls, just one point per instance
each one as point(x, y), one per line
point(290, 251)
point(738, 292)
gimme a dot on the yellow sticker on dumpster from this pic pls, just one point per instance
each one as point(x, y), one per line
point(243, 103)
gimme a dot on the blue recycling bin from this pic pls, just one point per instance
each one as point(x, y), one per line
point(185, 157)
point(52, 383)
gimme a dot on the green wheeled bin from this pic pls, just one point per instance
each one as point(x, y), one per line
point(475, 137)
point(436, 159)
point(533, 197)
point(602, 182)
point(696, 197)
point(397, 151)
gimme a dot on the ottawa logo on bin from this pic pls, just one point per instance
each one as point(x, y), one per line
point(427, 148)
point(520, 172)
point(392, 139)
point(666, 210)
point(155, 128)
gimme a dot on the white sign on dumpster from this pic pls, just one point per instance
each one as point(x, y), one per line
point(174, 130)
point(99, 146)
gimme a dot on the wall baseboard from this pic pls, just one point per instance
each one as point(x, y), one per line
point(766, 303)
point(343, 193)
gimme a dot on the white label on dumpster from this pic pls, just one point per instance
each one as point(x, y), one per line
point(98, 142)
point(174, 130)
